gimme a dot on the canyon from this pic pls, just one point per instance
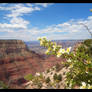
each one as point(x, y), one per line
point(35, 45)
point(16, 61)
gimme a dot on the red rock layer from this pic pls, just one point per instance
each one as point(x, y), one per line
point(16, 61)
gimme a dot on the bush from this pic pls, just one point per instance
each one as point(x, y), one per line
point(80, 68)
point(3, 85)
point(55, 76)
point(48, 80)
point(90, 51)
point(39, 85)
point(29, 77)
point(79, 63)
point(48, 71)
point(86, 48)
point(88, 42)
point(59, 77)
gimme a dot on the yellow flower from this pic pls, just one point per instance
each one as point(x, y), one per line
point(51, 43)
point(88, 62)
point(54, 47)
point(69, 60)
point(71, 66)
point(59, 54)
point(47, 51)
point(83, 85)
point(89, 81)
point(68, 49)
point(62, 50)
point(47, 44)
point(41, 43)
point(89, 86)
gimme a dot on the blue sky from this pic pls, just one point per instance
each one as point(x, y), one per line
point(28, 21)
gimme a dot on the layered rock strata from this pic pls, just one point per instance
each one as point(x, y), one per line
point(16, 61)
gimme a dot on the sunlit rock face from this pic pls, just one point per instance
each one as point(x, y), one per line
point(16, 61)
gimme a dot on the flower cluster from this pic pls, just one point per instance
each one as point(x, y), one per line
point(85, 86)
point(79, 62)
point(37, 74)
point(53, 48)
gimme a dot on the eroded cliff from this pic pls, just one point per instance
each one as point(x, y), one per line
point(16, 61)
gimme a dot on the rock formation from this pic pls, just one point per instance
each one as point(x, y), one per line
point(16, 61)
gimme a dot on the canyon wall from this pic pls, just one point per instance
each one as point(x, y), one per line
point(16, 61)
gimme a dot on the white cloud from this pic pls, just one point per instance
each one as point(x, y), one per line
point(73, 31)
point(15, 13)
point(68, 30)
point(43, 4)
point(6, 30)
point(21, 9)
point(19, 21)
point(5, 25)
point(16, 22)
point(17, 28)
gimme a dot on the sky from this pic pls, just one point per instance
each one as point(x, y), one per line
point(56, 21)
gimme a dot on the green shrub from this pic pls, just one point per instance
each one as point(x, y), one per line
point(39, 85)
point(47, 80)
point(59, 77)
point(29, 77)
point(79, 65)
point(55, 76)
point(48, 71)
point(88, 42)
point(3, 85)
point(90, 51)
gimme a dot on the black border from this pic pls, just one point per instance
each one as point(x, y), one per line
point(45, 1)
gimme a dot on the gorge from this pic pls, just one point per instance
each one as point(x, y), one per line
point(16, 61)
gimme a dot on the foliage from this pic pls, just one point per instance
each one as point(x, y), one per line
point(36, 79)
point(79, 62)
point(39, 85)
point(3, 85)
point(29, 77)
point(52, 47)
point(80, 68)
point(47, 80)
point(57, 77)
point(48, 70)
point(88, 42)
